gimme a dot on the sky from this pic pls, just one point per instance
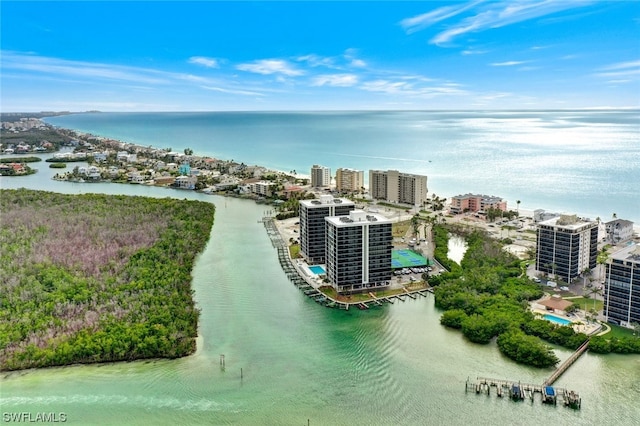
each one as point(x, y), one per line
point(331, 55)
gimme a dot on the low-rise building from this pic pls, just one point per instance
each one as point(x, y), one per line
point(619, 230)
point(476, 202)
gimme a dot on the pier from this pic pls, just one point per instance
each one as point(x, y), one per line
point(565, 365)
point(519, 391)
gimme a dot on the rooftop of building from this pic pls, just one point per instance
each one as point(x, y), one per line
point(357, 217)
point(568, 221)
point(399, 173)
point(621, 222)
point(484, 197)
point(629, 253)
point(326, 200)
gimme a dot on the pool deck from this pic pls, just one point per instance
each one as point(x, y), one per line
point(579, 325)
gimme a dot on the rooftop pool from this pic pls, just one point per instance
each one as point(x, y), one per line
point(557, 319)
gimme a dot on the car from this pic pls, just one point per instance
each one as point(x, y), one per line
point(564, 288)
point(552, 284)
point(536, 279)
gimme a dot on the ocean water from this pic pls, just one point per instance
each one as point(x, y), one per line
point(302, 363)
point(584, 162)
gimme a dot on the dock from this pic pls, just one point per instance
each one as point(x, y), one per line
point(307, 286)
point(565, 365)
point(518, 391)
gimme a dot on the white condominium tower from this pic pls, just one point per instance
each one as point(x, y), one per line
point(566, 246)
point(320, 176)
point(349, 180)
point(358, 251)
point(312, 224)
point(396, 187)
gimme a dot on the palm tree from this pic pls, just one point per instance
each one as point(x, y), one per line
point(595, 292)
point(585, 273)
point(518, 208)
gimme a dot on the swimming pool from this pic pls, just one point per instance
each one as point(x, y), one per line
point(317, 269)
point(556, 319)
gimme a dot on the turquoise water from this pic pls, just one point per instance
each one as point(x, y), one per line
point(318, 270)
point(585, 162)
point(556, 319)
point(302, 362)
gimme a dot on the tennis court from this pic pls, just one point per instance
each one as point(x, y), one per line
point(407, 259)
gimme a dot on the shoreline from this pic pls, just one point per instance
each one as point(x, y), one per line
point(524, 210)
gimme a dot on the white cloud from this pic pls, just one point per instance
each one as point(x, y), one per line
point(80, 69)
point(232, 91)
point(409, 89)
point(270, 66)
point(623, 65)
point(338, 80)
point(489, 15)
point(419, 22)
point(350, 55)
point(508, 63)
point(317, 61)
point(385, 86)
point(474, 52)
point(621, 69)
point(204, 61)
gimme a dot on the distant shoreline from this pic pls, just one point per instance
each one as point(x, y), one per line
point(522, 208)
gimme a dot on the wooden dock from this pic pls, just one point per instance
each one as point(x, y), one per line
point(519, 391)
point(296, 276)
point(565, 365)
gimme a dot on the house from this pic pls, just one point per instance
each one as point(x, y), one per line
point(619, 230)
point(186, 182)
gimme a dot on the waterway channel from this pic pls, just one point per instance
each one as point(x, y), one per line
point(303, 363)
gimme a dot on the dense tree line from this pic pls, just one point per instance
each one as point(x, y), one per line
point(621, 345)
point(95, 278)
point(487, 298)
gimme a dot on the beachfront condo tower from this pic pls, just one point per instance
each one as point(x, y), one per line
point(312, 224)
point(349, 180)
point(566, 246)
point(320, 176)
point(395, 187)
point(622, 287)
point(358, 252)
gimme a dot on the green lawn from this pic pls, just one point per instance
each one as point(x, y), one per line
point(294, 251)
point(617, 331)
point(580, 301)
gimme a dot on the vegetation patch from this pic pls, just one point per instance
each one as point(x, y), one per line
point(487, 297)
point(97, 278)
point(58, 165)
point(20, 160)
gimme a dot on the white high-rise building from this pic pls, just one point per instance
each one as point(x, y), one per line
point(396, 187)
point(320, 176)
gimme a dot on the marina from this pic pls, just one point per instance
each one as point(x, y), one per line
point(518, 391)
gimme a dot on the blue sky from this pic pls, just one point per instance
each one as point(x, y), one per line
point(194, 56)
